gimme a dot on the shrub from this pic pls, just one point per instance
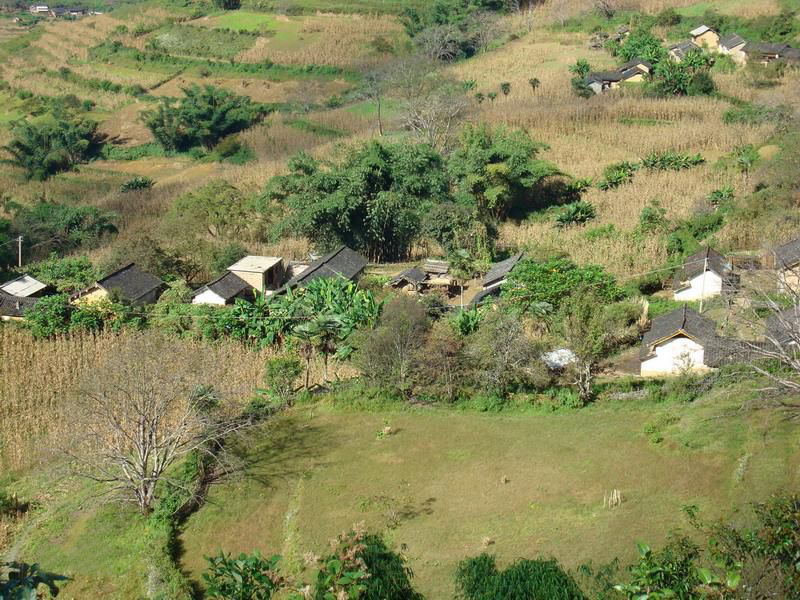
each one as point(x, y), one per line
point(66, 274)
point(282, 373)
point(248, 577)
point(668, 18)
point(140, 182)
point(576, 213)
point(747, 113)
point(653, 217)
point(479, 579)
point(617, 174)
point(668, 573)
point(671, 161)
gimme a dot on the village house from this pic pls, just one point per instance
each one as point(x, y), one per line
point(678, 52)
point(25, 287)
point(410, 280)
point(223, 290)
point(733, 45)
point(130, 283)
point(705, 37)
point(704, 274)
point(495, 278)
point(342, 262)
point(39, 9)
point(785, 259)
point(13, 308)
point(681, 341)
point(265, 274)
point(765, 53)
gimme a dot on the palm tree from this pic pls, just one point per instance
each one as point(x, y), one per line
point(322, 335)
point(505, 87)
point(534, 83)
point(491, 96)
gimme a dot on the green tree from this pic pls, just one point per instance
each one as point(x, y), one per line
point(45, 148)
point(672, 78)
point(282, 372)
point(50, 316)
point(505, 87)
point(494, 169)
point(457, 226)
point(534, 83)
point(66, 274)
point(203, 116)
point(553, 280)
point(246, 577)
point(372, 200)
point(324, 333)
point(643, 45)
point(218, 208)
point(228, 4)
point(581, 68)
point(492, 96)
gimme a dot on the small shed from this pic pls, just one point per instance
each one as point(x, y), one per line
point(765, 53)
point(13, 308)
point(601, 81)
point(24, 287)
point(680, 341)
point(130, 282)
point(705, 37)
point(342, 262)
point(438, 272)
point(644, 66)
point(678, 52)
point(704, 274)
point(499, 271)
point(223, 290)
point(263, 273)
point(410, 280)
point(733, 45)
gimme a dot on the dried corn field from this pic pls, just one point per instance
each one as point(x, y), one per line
point(38, 378)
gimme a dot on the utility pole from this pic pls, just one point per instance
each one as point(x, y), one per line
point(19, 252)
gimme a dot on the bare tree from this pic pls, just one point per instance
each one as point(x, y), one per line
point(486, 28)
point(432, 105)
point(439, 43)
point(139, 414)
point(607, 8)
point(374, 87)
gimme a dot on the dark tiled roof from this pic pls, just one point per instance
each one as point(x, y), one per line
point(632, 72)
point(228, 286)
point(681, 49)
point(681, 321)
point(485, 295)
point(131, 282)
point(500, 269)
point(784, 327)
point(15, 306)
point(602, 76)
point(705, 259)
point(731, 41)
point(635, 63)
point(788, 254)
point(765, 48)
point(342, 262)
point(413, 275)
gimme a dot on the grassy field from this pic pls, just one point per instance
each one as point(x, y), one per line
point(446, 485)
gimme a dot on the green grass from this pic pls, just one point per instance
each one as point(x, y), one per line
point(315, 128)
point(347, 6)
point(186, 40)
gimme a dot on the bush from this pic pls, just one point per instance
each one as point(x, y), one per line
point(140, 182)
point(668, 18)
point(671, 161)
point(247, 577)
point(282, 373)
point(479, 579)
point(617, 174)
point(66, 274)
point(576, 213)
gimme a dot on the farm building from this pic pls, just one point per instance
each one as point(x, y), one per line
point(223, 290)
point(263, 273)
point(603, 81)
point(678, 342)
point(495, 278)
point(765, 53)
point(410, 280)
point(733, 46)
point(786, 261)
point(705, 37)
point(131, 283)
point(678, 52)
point(13, 308)
point(637, 63)
point(24, 287)
point(704, 274)
point(342, 262)
point(39, 9)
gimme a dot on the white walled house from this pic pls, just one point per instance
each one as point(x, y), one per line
point(705, 274)
point(223, 290)
point(681, 341)
point(733, 45)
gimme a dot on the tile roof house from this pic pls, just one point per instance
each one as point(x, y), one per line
point(705, 37)
point(632, 71)
point(24, 286)
point(678, 52)
point(495, 278)
point(223, 290)
point(681, 341)
point(704, 274)
point(733, 45)
point(785, 259)
point(639, 63)
point(765, 53)
point(342, 262)
point(129, 282)
point(13, 308)
point(410, 280)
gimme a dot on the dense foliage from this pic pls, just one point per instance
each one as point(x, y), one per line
point(479, 578)
point(372, 201)
point(550, 282)
point(66, 274)
point(45, 148)
point(203, 117)
point(246, 577)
